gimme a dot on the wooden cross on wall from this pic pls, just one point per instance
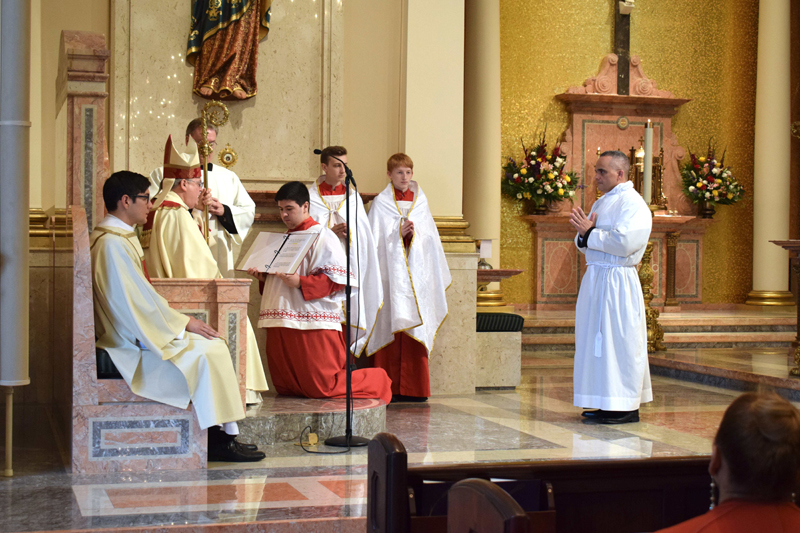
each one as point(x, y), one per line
point(622, 44)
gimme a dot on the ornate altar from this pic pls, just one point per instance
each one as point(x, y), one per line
point(600, 120)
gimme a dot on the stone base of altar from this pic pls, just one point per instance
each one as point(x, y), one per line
point(559, 266)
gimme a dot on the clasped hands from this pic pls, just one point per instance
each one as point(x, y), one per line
point(581, 222)
point(290, 280)
point(215, 207)
point(407, 229)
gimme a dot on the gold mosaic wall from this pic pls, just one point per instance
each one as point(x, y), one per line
point(699, 49)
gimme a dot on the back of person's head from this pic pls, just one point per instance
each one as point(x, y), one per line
point(759, 439)
point(123, 183)
point(197, 124)
point(294, 191)
point(326, 153)
point(399, 160)
point(620, 160)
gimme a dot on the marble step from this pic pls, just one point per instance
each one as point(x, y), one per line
point(533, 342)
point(282, 419)
point(669, 321)
point(687, 328)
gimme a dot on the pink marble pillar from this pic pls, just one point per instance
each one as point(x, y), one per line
point(81, 95)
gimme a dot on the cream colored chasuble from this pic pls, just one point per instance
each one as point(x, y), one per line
point(225, 186)
point(147, 340)
point(177, 249)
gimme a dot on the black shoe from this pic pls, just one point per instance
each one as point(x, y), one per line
point(231, 452)
point(404, 398)
point(246, 446)
point(593, 414)
point(618, 417)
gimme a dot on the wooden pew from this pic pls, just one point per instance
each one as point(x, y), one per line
point(564, 496)
point(480, 506)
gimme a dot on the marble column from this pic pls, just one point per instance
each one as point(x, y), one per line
point(15, 44)
point(81, 96)
point(482, 121)
point(434, 112)
point(772, 156)
point(15, 60)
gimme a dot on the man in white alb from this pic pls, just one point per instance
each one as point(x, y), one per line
point(611, 371)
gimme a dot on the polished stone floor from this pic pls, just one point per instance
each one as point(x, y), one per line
point(535, 422)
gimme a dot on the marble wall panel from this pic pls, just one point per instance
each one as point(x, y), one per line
point(686, 264)
point(453, 358)
point(136, 437)
point(560, 272)
point(298, 106)
point(498, 359)
point(40, 329)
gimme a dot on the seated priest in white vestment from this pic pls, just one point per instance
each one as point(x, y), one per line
point(611, 371)
point(302, 313)
point(174, 246)
point(231, 210)
point(162, 354)
point(329, 208)
point(415, 277)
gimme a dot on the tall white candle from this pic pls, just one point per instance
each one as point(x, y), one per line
point(647, 183)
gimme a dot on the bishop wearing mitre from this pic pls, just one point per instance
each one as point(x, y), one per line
point(231, 209)
point(174, 245)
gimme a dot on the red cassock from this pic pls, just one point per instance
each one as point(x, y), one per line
point(405, 360)
point(311, 363)
point(406, 363)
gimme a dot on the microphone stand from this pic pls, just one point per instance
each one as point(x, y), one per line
point(347, 440)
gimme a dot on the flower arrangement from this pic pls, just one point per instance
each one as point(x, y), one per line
point(706, 179)
point(539, 176)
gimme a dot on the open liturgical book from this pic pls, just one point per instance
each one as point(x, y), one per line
point(278, 253)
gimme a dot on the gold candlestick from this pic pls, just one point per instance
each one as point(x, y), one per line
point(655, 335)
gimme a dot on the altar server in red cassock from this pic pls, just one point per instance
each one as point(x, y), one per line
point(415, 277)
point(329, 208)
point(302, 314)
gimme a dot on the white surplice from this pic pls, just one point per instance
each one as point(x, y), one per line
point(147, 339)
point(611, 365)
point(228, 189)
point(368, 297)
point(177, 249)
point(283, 307)
point(414, 282)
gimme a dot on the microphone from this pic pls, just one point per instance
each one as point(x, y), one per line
point(317, 151)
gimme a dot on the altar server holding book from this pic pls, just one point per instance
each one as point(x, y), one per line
point(302, 313)
point(415, 277)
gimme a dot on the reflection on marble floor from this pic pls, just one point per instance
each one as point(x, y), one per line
point(535, 422)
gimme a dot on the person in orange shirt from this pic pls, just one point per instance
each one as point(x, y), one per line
point(755, 462)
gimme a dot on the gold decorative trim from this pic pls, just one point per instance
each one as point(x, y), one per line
point(40, 224)
point(775, 298)
point(452, 233)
